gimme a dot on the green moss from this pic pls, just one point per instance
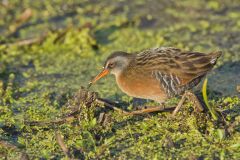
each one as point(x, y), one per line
point(37, 80)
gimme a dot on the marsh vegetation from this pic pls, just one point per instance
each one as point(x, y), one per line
point(49, 49)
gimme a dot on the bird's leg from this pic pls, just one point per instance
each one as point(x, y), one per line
point(188, 95)
point(196, 103)
point(148, 109)
point(180, 103)
point(110, 104)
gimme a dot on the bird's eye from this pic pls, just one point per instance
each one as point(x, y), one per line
point(110, 65)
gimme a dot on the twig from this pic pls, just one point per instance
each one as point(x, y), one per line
point(64, 148)
point(6, 144)
point(104, 103)
point(150, 110)
point(29, 41)
point(73, 115)
point(60, 35)
point(137, 112)
point(24, 17)
point(58, 121)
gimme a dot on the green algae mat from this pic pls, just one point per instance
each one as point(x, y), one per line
point(49, 49)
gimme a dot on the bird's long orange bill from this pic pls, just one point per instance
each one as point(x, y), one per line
point(99, 76)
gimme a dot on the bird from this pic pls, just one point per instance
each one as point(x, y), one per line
point(158, 73)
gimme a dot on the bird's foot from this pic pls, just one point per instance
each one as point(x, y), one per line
point(188, 95)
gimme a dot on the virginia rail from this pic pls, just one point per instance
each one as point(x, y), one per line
point(159, 73)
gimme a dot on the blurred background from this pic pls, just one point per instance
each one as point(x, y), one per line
point(76, 36)
point(49, 49)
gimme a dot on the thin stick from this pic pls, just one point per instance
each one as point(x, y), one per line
point(100, 101)
point(103, 102)
point(62, 145)
point(40, 39)
point(142, 111)
point(150, 110)
point(58, 121)
point(19, 22)
point(7, 144)
point(29, 41)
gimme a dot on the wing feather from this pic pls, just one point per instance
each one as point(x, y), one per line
point(173, 62)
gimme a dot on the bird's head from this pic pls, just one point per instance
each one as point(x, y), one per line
point(114, 64)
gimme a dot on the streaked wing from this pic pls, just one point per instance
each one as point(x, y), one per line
point(175, 69)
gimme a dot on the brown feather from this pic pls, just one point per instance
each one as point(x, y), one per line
point(185, 65)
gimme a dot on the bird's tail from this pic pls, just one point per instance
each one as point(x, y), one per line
point(214, 56)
